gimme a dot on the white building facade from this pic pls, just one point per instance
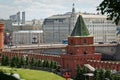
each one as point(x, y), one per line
point(27, 37)
point(58, 27)
point(102, 29)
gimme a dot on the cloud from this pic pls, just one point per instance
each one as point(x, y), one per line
point(44, 8)
point(23, 1)
point(7, 10)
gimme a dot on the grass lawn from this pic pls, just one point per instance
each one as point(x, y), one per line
point(28, 74)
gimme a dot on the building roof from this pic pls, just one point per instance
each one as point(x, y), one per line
point(94, 16)
point(59, 16)
point(80, 28)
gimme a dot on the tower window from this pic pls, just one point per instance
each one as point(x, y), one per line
point(85, 52)
point(84, 41)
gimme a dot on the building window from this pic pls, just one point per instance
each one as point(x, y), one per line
point(84, 41)
point(85, 51)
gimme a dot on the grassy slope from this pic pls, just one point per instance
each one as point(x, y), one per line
point(28, 74)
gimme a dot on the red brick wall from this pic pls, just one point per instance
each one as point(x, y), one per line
point(1, 36)
point(71, 62)
point(80, 40)
point(104, 64)
point(35, 56)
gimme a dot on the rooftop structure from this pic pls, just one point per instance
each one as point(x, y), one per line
point(80, 28)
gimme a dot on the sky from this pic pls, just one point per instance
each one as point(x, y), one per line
point(40, 9)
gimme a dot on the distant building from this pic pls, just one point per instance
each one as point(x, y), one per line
point(17, 19)
point(102, 29)
point(8, 28)
point(8, 25)
point(27, 37)
point(13, 18)
point(29, 25)
point(58, 27)
point(23, 17)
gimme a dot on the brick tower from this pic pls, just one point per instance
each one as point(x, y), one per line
point(1, 36)
point(80, 47)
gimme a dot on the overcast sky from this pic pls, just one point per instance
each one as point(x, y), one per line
point(39, 9)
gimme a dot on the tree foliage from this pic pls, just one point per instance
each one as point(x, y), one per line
point(96, 75)
point(12, 63)
point(78, 73)
point(111, 8)
point(108, 75)
point(101, 74)
point(32, 62)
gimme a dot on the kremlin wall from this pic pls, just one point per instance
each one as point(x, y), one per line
point(80, 50)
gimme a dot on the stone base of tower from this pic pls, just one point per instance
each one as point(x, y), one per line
point(70, 62)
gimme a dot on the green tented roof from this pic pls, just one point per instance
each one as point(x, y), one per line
point(80, 28)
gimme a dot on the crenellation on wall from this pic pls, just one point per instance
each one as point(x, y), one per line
point(105, 64)
point(69, 62)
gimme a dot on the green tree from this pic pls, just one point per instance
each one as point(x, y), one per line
point(18, 64)
point(78, 73)
point(54, 65)
point(101, 74)
point(12, 63)
point(96, 75)
point(32, 62)
point(108, 75)
point(22, 61)
point(39, 63)
point(27, 61)
point(3, 60)
point(51, 64)
point(111, 8)
point(6, 61)
point(47, 63)
point(17, 61)
point(83, 71)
